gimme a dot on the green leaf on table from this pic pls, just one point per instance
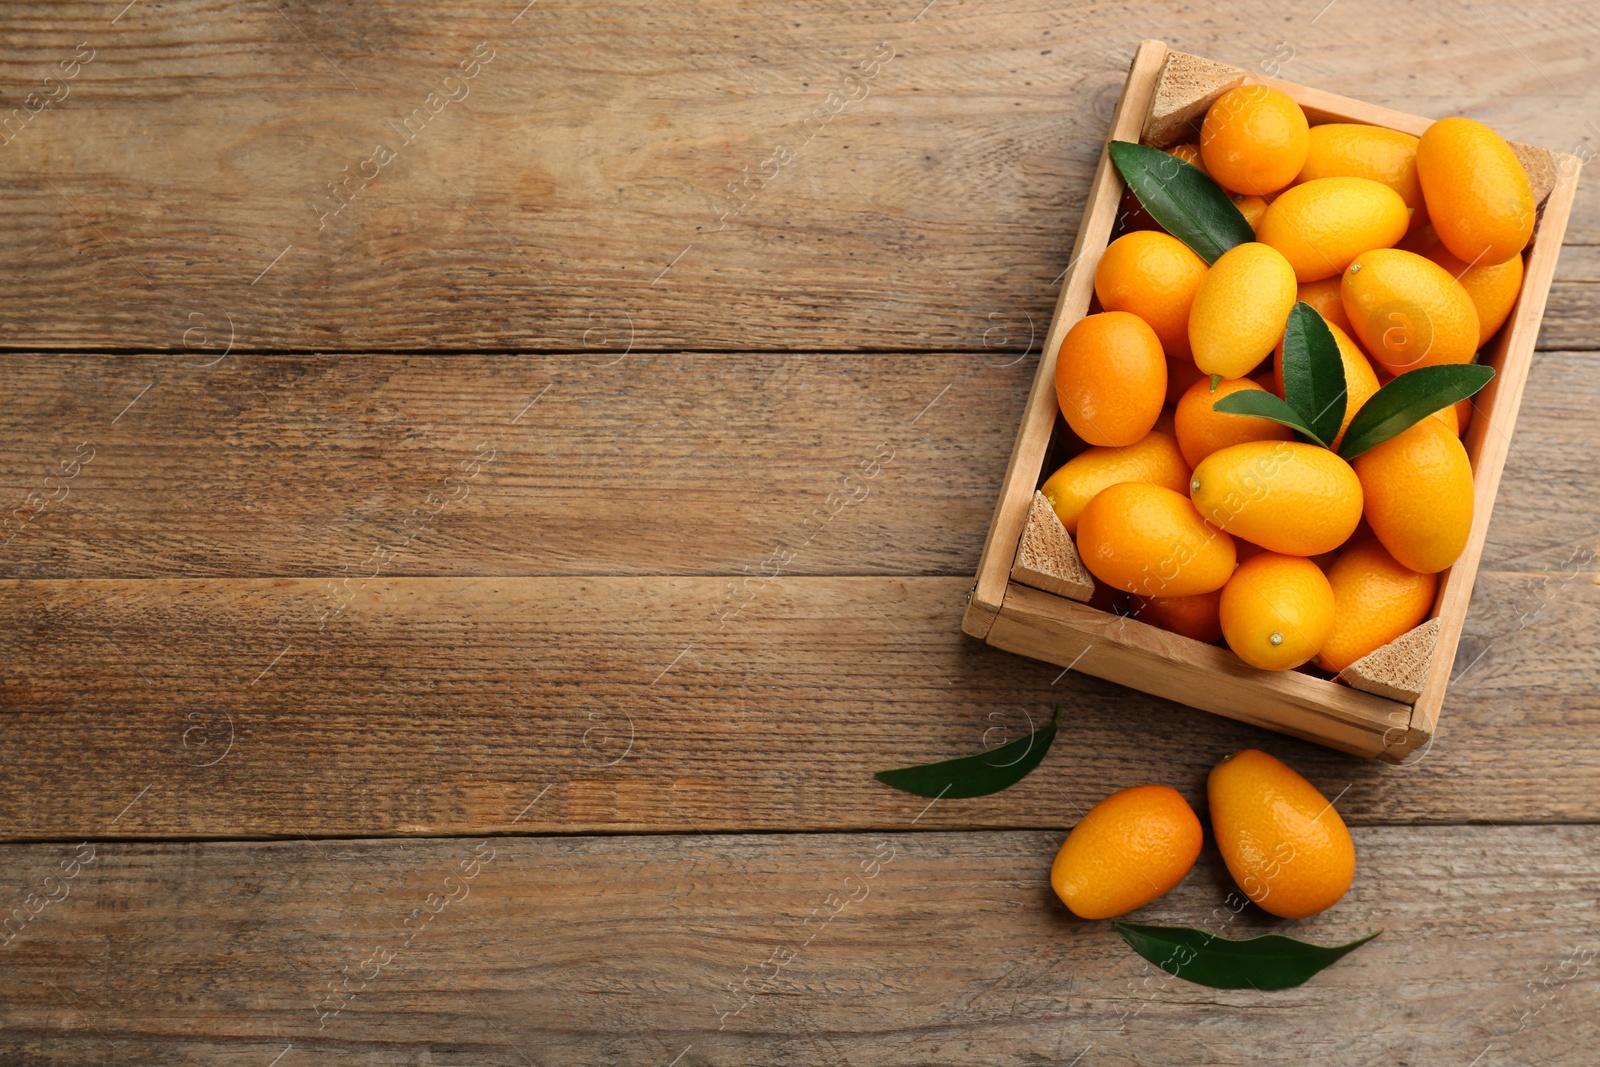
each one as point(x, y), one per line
point(1271, 961)
point(1409, 399)
point(977, 775)
point(1313, 373)
point(1265, 405)
point(1186, 203)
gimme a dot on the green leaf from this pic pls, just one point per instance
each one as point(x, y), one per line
point(1409, 399)
point(1265, 405)
point(1271, 961)
point(977, 775)
point(1313, 373)
point(1186, 203)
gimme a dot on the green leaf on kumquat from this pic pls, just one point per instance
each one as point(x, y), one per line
point(1180, 197)
point(1313, 373)
point(1407, 400)
point(1265, 405)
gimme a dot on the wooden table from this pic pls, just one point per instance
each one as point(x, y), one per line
point(441, 627)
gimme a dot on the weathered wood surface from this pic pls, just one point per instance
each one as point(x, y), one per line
point(827, 949)
point(574, 193)
point(336, 468)
point(657, 463)
point(445, 705)
point(661, 463)
point(180, 656)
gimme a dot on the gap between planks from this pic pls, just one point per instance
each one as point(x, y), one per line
point(714, 831)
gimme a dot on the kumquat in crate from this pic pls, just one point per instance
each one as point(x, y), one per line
point(1273, 383)
point(1379, 492)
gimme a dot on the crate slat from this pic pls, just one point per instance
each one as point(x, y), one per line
point(1488, 438)
point(1038, 418)
point(1144, 657)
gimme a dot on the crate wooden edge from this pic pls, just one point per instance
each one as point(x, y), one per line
point(1048, 561)
point(1132, 653)
point(1489, 435)
point(1038, 416)
point(1388, 738)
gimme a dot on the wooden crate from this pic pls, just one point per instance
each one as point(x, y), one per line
point(1165, 94)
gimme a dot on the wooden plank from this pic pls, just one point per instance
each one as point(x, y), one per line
point(1543, 516)
point(792, 463)
point(298, 466)
point(1573, 313)
point(207, 473)
point(828, 949)
point(431, 706)
point(165, 200)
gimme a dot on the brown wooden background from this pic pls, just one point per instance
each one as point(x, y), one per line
point(389, 595)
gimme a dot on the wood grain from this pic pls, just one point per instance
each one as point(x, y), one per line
point(445, 706)
point(578, 194)
point(558, 649)
point(1047, 558)
point(659, 463)
point(662, 463)
point(1397, 669)
point(928, 948)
